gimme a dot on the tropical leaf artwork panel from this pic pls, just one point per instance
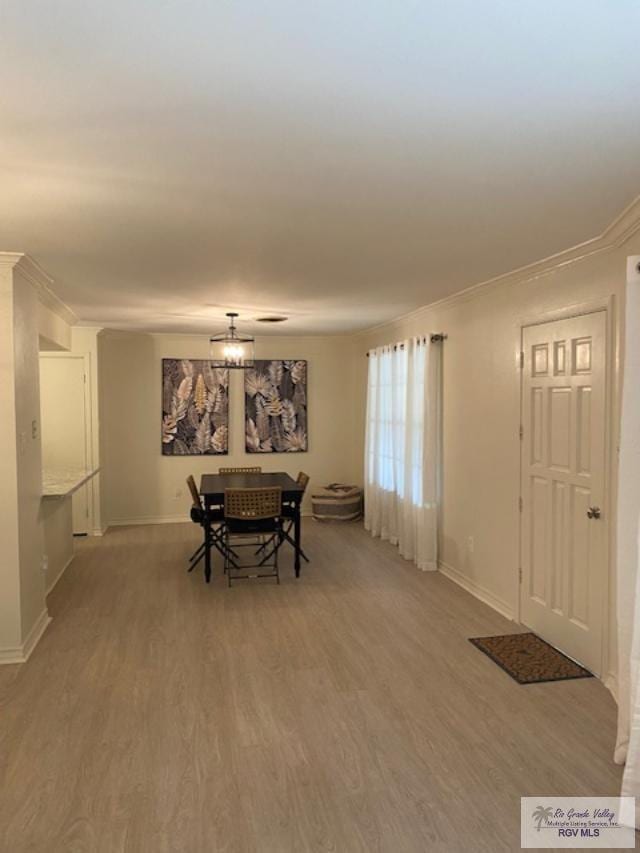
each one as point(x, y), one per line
point(195, 408)
point(275, 395)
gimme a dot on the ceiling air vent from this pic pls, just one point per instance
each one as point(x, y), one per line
point(271, 319)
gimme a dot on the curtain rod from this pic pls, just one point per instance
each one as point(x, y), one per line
point(436, 338)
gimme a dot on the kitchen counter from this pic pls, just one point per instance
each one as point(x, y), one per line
point(61, 484)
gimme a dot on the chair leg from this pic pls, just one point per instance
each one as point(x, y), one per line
point(207, 556)
point(291, 542)
point(218, 541)
point(195, 558)
point(195, 563)
point(286, 534)
point(265, 544)
point(227, 558)
point(197, 552)
point(270, 554)
point(284, 537)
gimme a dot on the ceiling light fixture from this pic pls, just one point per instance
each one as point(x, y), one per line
point(231, 349)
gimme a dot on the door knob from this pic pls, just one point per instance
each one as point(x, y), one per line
point(593, 512)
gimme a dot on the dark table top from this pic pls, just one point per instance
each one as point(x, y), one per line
point(212, 486)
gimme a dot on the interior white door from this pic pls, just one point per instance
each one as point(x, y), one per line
point(564, 528)
point(64, 427)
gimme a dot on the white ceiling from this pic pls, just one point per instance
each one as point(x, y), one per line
point(341, 161)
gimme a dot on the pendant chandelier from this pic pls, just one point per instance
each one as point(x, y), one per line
point(231, 349)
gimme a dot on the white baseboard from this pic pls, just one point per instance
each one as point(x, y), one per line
point(165, 519)
point(21, 654)
point(151, 519)
point(12, 655)
point(610, 680)
point(611, 683)
point(477, 591)
point(60, 573)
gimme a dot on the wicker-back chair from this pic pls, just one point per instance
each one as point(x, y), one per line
point(251, 513)
point(254, 469)
point(288, 520)
point(252, 504)
point(212, 526)
point(195, 494)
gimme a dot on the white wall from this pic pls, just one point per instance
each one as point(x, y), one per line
point(481, 410)
point(628, 556)
point(22, 580)
point(27, 316)
point(10, 618)
point(54, 332)
point(29, 460)
point(140, 484)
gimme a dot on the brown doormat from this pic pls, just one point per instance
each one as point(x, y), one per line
point(528, 659)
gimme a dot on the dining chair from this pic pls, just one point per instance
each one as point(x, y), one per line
point(249, 513)
point(214, 535)
point(256, 469)
point(288, 520)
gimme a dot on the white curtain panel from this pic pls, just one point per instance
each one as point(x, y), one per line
point(628, 545)
point(402, 449)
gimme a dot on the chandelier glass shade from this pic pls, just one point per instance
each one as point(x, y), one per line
point(230, 348)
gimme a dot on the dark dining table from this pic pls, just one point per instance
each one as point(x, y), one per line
point(212, 488)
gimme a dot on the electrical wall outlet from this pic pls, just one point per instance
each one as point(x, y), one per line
point(470, 544)
point(44, 563)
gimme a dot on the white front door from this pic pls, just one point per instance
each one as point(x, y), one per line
point(564, 528)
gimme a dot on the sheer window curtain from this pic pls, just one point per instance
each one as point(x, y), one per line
point(402, 448)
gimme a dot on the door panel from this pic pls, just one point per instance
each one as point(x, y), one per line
point(538, 572)
point(563, 469)
point(558, 546)
point(537, 425)
point(559, 427)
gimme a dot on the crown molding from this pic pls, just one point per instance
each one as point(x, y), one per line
point(89, 327)
point(613, 237)
point(42, 283)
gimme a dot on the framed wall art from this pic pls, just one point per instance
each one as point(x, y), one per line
point(275, 394)
point(195, 408)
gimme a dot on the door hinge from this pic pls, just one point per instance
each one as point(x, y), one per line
point(521, 360)
point(520, 575)
point(521, 432)
point(520, 504)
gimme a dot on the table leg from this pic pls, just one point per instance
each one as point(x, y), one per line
point(207, 547)
point(297, 532)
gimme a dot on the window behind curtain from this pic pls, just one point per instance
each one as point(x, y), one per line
point(402, 451)
point(395, 420)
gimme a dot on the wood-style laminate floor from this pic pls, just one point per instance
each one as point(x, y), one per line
point(345, 711)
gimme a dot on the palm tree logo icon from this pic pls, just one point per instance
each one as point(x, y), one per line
point(542, 814)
